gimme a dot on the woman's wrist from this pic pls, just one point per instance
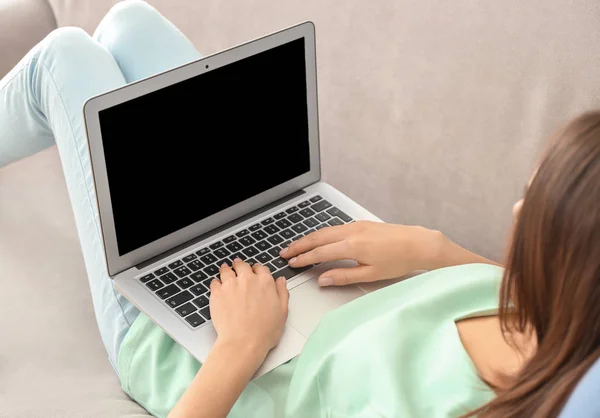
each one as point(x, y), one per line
point(443, 252)
point(249, 354)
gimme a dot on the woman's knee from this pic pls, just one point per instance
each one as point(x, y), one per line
point(67, 39)
point(128, 14)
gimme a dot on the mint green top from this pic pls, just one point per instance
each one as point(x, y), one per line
point(395, 352)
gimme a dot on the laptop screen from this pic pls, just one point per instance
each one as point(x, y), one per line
point(182, 153)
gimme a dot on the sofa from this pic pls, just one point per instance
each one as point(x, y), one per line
point(431, 112)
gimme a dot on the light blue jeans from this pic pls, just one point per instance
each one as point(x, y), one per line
point(41, 102)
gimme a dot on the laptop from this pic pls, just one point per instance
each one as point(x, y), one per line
point(213, 160)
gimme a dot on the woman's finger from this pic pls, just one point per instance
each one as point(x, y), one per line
point(340, 250)
point(344, 276)
point(321, 237)
point(260, 270)
point(283, 293)
point(226, 273)
point(240, 267)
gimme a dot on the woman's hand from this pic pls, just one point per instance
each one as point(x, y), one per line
point(248, 307)
point(248, 310)
point(383, 251)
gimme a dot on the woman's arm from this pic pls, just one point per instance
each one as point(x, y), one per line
point(447, 253)
point(249, 310)
point(220, 381)
point(382, 251)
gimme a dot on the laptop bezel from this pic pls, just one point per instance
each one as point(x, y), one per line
point(117, 263)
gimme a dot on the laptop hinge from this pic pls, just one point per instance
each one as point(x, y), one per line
point(219, 229)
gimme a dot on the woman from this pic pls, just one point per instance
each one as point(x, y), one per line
point(440, 344)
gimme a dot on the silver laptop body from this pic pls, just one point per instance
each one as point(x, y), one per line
point(211, 160)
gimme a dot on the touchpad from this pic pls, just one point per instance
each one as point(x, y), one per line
point(309, 302)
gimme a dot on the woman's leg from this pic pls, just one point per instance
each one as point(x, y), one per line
point(142, 41)
point(43, 97)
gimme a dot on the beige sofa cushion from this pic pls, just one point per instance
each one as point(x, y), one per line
point(52, 361)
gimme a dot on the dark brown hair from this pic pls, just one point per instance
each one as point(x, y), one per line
point(551, 283)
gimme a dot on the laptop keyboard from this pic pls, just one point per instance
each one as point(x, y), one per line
point(184, 284)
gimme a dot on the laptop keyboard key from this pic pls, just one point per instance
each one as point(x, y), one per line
point(207, 282)
point(198, 276)
point(287, 234)
point(212, 270)
point(271, 229)
point(179, 299)
point(275, 239)
point(154, 284)
point(289, 272)
point(234, 247)
point(322, 205)
point(221, 253)
point(229, 239)
point(185, 283)
point(195, 320)
point(168, 278)
point(195, 265)
point(203, 251)
point(274, 251)
point(198, 289)
point(242, 233)
point(224, 261)
point(284, 223)
point(208, 259)
point(335, 221)
point(321, 226)
point(189, 258)
point(280, 215)
point(263, 245)
point(216, 245)
point(161, 271)
point(343, 216)
point(147, 278)
point(247, 241)
point(206, 312)
point(292, 209)
point(315, 198)
point(255, 227)
point(311, 222)
point(285, 244)
point(251, 261)
point(186, 309)
point(258, 235)
point(307, 213)
point(295, 218)
point(237, 255)
point(304, 204)
point(299, 228)
point(323, 216)
point(279, 262)
point(201, 302)
point(250, 251)
point(182, 271)
point(271, 267)
point(167, 292)
point(268, 221)
point(263, 258)
point(175, 264)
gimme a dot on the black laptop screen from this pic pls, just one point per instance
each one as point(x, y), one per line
point(182, 153)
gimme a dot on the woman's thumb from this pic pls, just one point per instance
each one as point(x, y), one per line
point(345, 276)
